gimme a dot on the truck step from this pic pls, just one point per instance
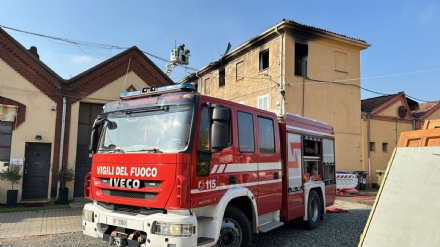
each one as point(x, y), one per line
point(270, 226)
point(204, 218)
point(203, 240)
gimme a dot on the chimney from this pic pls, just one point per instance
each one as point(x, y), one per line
point(34, 52)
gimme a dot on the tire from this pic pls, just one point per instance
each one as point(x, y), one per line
point(235, 230)
point(313, 210)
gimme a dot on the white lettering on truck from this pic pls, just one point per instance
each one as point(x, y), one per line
point(122, 170)
point(125, 183)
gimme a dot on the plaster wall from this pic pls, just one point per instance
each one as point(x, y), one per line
point(250, 82)
point(382, 133)
point(435, 115)
point(318, 98)
point(333, 103)
point(40, 119)
point(391, 110)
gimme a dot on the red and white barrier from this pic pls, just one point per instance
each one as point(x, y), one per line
point(346, 181)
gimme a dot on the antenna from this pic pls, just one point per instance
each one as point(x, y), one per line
point(228, 48)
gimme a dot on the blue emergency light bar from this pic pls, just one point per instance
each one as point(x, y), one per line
point(154, 90)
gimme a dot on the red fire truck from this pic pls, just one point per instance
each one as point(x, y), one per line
point(171, 167)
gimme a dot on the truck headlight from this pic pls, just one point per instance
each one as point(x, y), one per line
point(88, 215)
point(173, 229)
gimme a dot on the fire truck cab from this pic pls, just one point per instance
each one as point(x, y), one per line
point(171, 167)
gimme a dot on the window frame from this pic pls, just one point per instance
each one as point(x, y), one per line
point(252, 132)
point(7, 133)
point(206, 82)
point(268, 102)
point(372, 147)
point(221, 77)
point(237, 78)
point(385, 147)
point(301, 59)
point(261, 58)
point(260, 142)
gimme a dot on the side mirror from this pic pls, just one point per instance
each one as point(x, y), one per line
point(93, 141)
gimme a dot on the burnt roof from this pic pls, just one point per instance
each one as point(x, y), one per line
point(368, 105)
point(424, 108)
point(324, 30)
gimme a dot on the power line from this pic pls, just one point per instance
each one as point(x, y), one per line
point(111, 47)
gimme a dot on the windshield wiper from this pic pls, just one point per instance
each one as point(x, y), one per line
point(116, 150)
point(151, 150)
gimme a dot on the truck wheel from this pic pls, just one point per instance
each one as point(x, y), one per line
point(313, 210)
point(235, 230)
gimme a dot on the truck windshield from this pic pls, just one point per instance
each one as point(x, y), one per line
point(155, 130)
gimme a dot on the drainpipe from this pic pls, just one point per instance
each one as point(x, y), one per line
point(368, 142)
point(303, 95)
point(63, 126)
point(201, 84)
point(282, 91)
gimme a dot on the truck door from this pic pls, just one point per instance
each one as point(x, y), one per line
point(247, 158)
point(269, 166)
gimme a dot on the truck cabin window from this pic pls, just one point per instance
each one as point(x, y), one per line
point(160, 129)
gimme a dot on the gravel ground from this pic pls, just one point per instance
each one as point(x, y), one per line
point(342, 229)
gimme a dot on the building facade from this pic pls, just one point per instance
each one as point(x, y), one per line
point(45, 120)
point(298, 69)
point(384, 118)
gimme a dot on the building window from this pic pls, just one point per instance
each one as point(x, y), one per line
point(263, 102)
point(239, 71)
point(266, 135)
point(372, 146)
point(5, 141)
point(340, 61)
point(264, 59)
point(301, 57)
point(207, 85)
point(221, 77)
point(385, 147)
point(246, 139)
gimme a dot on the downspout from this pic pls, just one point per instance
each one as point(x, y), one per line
point(368, 145)
point(303, 95)
point(201, 84)
point(63, 126)
point(282, 91)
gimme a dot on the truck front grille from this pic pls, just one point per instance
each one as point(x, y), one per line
point(129, 194)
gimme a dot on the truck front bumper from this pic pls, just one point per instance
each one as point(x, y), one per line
point(99, 217)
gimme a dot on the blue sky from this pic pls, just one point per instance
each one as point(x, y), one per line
point(405, 35)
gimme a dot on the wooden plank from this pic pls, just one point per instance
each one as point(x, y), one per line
point(420, 138)
point(431, 124)
point(407, 209)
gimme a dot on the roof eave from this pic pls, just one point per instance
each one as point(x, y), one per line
point(271, 31)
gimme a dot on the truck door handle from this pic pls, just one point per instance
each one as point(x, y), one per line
point(232, 179)
point(276, 175)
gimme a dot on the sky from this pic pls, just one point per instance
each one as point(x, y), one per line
point(404, 35)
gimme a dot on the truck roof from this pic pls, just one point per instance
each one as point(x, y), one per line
point(307, 126)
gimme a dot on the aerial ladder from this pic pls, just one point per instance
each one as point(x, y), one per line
point(178, 56)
